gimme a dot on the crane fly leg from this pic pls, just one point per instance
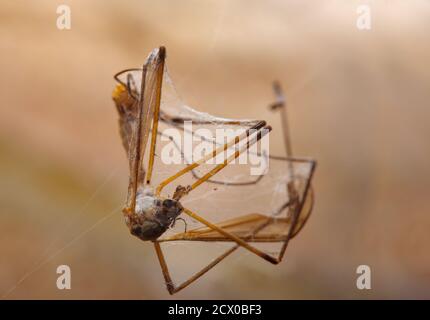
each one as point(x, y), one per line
point(232, 237)
point(260, 134)
point(211, 155)
point(165, 270)
point(166, 274)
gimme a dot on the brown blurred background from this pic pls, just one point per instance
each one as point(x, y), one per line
point(358, 103)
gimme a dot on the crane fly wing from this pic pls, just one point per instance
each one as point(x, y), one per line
point(150, 90)
point(136, 99)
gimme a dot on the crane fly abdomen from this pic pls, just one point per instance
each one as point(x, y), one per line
point(152, 215)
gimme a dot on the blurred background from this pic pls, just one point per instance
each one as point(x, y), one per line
point(358, 103)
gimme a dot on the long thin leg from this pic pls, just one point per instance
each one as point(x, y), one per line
point(221, 166)
point(165, 270)
point(196, 176)
point(226, 183)
point(169, 283)
point(234, 238)
point(281, 103)
point(310, 198)
point(209, 156)
point(295, 211)
point(168, 280)
point(297, 208)
point(293, 232)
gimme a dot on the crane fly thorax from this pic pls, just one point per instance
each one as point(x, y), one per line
point(121, 96)
point(152, 215)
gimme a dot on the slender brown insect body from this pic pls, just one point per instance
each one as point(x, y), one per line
point(149, 214)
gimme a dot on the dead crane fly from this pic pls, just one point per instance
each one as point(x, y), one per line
point(217, 202)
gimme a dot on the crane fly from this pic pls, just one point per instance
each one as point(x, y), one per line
point(271, 207)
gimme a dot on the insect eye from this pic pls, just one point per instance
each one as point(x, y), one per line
point(168, 203)
point(136, 230)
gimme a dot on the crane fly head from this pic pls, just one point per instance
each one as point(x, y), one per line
point(153, 215)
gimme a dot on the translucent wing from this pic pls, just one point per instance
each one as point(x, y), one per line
point(136, 100)
point(151, 94)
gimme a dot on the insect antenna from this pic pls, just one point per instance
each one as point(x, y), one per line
point(183, 220)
